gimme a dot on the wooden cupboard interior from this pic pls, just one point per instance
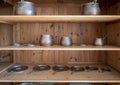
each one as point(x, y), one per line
point(15, 29)
point(63, 84)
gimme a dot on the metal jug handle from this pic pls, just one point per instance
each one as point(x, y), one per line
point(95, 1)
point(22, 0)
point(14, 9)
point(21, 4)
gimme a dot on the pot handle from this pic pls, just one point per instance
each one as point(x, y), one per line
point(95, 1)
point(22, 0)
point(14, 9)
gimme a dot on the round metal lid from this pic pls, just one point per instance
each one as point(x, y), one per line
point(92, 68)
point(77, 68)
point(17, 68)
point(41, 68)
point(60, 68)
point(105, 69)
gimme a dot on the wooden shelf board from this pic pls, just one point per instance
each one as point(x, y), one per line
point(59, 18)
point(12, 2)
point(48, 76)
point(3, 66)
point(56, 47)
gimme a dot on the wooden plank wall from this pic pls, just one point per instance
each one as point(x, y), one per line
point(6, 33)
point(68, 84)
point(113, 31)
point(6, 84)
point(5, 39)
point(80, 33)
point(114, 84)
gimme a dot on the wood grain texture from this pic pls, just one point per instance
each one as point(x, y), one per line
point(113, 38)
point(4, 66)
point(63, 48)
point(6, 39)
point(66, 76)
point(114, 84)
point(15, 19)
point(80, 33)
point(59, 57)
point(114, 9)
point(113, 59)
point(50, 1)
point(6, 84)
point(6, 34)
point(73, 83)
point(6, 10)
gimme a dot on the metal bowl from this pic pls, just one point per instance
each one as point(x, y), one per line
point(41, 68)
point(91, 68)
point(17, 68)
point(60, 68)
point(105, 69)
point(77, 68)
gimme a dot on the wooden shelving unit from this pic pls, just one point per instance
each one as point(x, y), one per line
point(4, 66)
point(49, 76)
point(59, 18)
point(52, 17)
point(57, 47)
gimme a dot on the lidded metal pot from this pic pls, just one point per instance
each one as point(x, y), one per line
point(46, 40)
point(24, 8)
point(91, 8)
point(66, 41)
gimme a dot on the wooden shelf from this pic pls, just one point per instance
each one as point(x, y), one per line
point(3, 66)
point(50, 76)
point(56, 47)
point(12, 2)
point(59, 18)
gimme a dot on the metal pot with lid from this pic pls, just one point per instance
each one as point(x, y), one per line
point(91, 8)
point(24, 8)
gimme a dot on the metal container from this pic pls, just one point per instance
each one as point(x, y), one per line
point(80, 84)
point(99, 41)
point(91, 8)
point(17, 68)
point(46, 40)
point(24, 8)
point(38, 83)
point(66, 41)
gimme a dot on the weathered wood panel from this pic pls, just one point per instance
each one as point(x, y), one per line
point(114, 84)
point(6, 84)
point(59, 57)
point(113, 38)
point(114, 9)
point(6, 34)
